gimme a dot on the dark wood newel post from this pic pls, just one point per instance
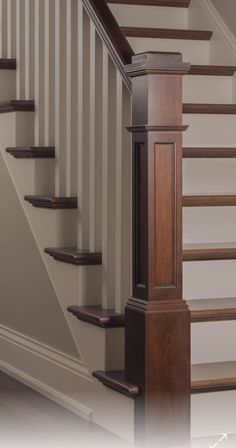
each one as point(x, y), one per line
point(157, 317)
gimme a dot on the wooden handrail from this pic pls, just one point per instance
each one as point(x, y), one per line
point(111, 33)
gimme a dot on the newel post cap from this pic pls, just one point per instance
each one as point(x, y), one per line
point(157, 63)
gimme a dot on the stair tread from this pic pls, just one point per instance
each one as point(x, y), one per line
point(7, 64)
point(16, 106)
point(209, 200)
point(32, 152)
point(53, 202)
point(208, 152)
point(96, 315)
point(116, 381)
point(206, 310)
point(212, 70)
point(213, 377)
point(204, 108)
point(167, 33)
point(165, 3)
point(209, 251)
point(76, 256)
point(202, 310)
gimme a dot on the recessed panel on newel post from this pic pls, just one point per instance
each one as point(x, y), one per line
point(157, 317)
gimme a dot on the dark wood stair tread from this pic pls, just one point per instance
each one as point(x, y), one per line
point(212, 70)
point(213, 377)
point(116, 380)
point(202, 310)
point(53, 202)
point(209, 200)
point(166, 3)
point(98, 316)
point(199, 108)
point(205, 378)
point(7, 64)
point(32, 152)
point(198, 153)
point(16, 106)
point(209, 251)
point(207, 310)
point(167, 33)
point(75, 256)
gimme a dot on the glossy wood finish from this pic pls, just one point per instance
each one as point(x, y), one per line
point(33, 152)
point(209, 251)
point(167, 33)
point(208, 153)
point(52, 202)
point(209, 310)
point(16, 106)
point(222, 109)
point(7, 64)
point(110, 29)
point(214, 377)
point(205, 378)
point(213, 200)
point(98, 316)
point(167, 3)
point(202, 310)
point(116, 380)
point(75, 256)
point(212, 70)
point(157, 320)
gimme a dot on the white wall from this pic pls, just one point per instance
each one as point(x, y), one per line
point(227, 10)
point(28, 301)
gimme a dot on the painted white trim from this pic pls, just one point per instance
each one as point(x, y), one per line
point(50, 359)
point(49, 353)
point(224, 30)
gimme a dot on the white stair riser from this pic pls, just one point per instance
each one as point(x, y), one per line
point(194, 51)
point(207, 89)
point(7, 85)
point(209, 279)
point(213, 342)
point(210, 224)
point(209, 176)
point(212, 414)
point(150, 16)
point(210, 130)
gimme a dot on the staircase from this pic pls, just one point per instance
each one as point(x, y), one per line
point(93, 204)
point(208, 91)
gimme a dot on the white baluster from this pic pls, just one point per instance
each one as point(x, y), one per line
point(109, 182)
point(39, 72)
point(60, 96)
point(71, 90)
point(29, 49)
point(80, 123)
point(20, 49)
point(96, 126)
point(11, 28)
point(49, 73)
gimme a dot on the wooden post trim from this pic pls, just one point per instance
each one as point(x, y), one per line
point(157, 318)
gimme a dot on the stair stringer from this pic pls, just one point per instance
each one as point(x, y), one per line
point(97, 348)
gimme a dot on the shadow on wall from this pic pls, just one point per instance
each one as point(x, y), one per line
point(227, 10)
point(28, 302)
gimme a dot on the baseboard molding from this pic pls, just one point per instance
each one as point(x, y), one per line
point(223, 28)
point(48, 371)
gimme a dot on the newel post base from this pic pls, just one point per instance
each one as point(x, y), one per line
point(157, 319)
point(158, 361)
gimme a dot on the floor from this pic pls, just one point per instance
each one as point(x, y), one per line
point(27, 419)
